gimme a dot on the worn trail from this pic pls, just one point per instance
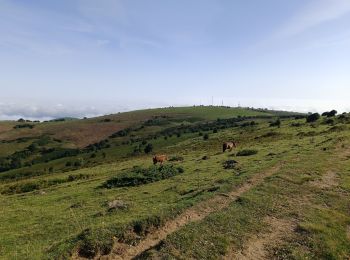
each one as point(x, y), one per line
point(195, 213)
point(256, 248)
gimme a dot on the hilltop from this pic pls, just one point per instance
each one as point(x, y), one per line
point(80, 133)
point(87, 188)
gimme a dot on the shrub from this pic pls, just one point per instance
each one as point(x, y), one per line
point(121, 133)
point(247, 152)
point(330, 113)
point(205, 137)
point(78, 163)
point(276, 123)
point(30, 126)
point(230, 164)
point(180, 170)
point(68, 164)
point(176, 158)
point(139, 176)
point(148, 148)
point(33, 147)
point(93, 242)
point(312, 117)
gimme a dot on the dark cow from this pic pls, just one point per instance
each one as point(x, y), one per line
point(160, 159)
point(228, 146)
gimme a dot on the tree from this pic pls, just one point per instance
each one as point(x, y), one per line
point(313, 117)
point(148, 148)
point(332, 113)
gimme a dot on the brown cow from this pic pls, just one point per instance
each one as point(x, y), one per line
point(160, 158)
point(228, 146)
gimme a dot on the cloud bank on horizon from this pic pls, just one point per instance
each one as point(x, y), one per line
point(85, 58)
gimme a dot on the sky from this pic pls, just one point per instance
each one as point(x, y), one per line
point(92, 57)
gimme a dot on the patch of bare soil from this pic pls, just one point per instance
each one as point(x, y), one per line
point(328, 180)
point(257, 247)
point(195, 213)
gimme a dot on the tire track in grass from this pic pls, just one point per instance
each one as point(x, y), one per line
point(193, 214)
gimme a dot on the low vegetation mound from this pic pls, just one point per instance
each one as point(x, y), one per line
point(230, 164)
point(247, 152)
point(139, 176)
point(30, 186)
point(176, 158)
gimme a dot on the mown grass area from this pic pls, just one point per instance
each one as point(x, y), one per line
point(60, 214)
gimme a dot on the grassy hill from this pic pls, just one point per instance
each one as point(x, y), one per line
point(80, 133)
point(86, 188)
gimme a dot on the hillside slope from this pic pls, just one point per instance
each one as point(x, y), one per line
point(80, 133)
point(108, 200)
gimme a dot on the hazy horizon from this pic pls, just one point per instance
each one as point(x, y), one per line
point(88, 58)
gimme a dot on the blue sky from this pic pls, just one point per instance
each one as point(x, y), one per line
point(91, 57)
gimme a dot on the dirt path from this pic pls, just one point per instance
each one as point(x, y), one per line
point(256, 248)
point(195, 213)
point(328, 180)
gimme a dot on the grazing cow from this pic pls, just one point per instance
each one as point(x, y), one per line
point(228, 146)
point(159, 159)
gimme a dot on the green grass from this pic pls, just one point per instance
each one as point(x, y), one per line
point(54, 214)
point(322, 216)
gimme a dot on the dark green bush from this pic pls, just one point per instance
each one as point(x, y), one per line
point(30, 126)
point(176, 158)
point(330, 113)
point(247, 152)
point(68, 164)
point(138, 176)
point(230, 164)
point(148, 148)
point(276, 123)
point(313, 117)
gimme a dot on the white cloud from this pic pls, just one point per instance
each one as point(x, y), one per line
point(313, 14)
point(42, 112)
